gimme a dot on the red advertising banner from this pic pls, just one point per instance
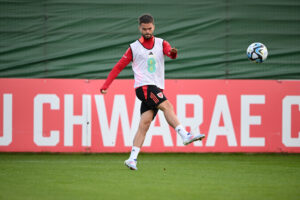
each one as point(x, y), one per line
point(60, 115)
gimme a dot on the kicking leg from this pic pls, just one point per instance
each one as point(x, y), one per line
point(173, 121)
point(169, 113)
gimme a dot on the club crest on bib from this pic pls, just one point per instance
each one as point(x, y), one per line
point(151, 62)
point(160, 95)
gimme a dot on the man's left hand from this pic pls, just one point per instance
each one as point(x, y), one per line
point(173, 51)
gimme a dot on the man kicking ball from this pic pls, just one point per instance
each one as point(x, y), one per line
point(148, 64)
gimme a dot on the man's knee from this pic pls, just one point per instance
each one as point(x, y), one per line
point(146, 119)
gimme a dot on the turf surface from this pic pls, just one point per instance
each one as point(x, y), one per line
point(160, 176)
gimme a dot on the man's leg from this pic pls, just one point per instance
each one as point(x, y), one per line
point(146, 119)
point(169, 113)
point(173, 121)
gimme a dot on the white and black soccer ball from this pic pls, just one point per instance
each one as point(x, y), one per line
point(257, 52)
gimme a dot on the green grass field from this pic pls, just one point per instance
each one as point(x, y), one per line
point(160, 176)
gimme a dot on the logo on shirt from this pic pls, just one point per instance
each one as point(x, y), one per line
point(160, 95)
point(151, 62)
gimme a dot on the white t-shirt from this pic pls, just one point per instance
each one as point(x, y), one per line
point(148, 65)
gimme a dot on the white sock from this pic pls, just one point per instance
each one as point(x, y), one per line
point(134, 153)
point(181, 131)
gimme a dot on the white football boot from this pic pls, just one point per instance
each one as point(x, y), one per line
point(131, 164)
point(192, 138)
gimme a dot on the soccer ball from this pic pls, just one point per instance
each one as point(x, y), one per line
point(257, 52)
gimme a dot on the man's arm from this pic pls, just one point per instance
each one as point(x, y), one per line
point(169, 51)
point(123, 62)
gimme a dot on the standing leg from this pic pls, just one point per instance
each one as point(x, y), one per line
point(146, 119)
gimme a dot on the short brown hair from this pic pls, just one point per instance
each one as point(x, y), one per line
point(146, 19)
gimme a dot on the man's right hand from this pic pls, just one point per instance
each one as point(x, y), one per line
point(103, 91)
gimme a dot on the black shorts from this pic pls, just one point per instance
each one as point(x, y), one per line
point(151, 96)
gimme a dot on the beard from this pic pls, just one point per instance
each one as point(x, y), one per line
point(147, 36)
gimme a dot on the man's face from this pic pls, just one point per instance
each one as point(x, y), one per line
point(147, 30)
